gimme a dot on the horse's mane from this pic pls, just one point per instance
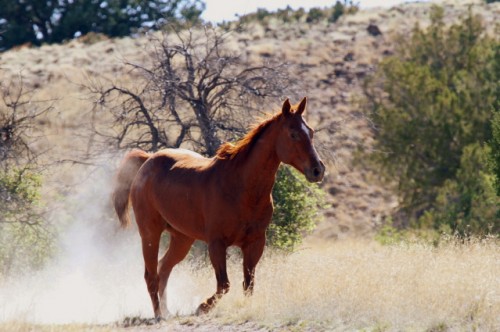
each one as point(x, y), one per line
point(245, 144)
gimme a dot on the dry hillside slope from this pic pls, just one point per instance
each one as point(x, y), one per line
point(330, 60)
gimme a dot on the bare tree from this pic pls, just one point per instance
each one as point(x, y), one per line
point(18, 113)
point(26, 236)
point(18, 160)
point(196, 92)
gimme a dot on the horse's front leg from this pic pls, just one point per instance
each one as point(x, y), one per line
point(252, 252)
point(217, 251)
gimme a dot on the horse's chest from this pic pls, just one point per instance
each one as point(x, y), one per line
point(238, 214)
point(255, 220)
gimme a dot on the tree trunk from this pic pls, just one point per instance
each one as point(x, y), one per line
point(207, 128)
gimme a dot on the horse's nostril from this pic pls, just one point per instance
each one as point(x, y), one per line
point(316, 172)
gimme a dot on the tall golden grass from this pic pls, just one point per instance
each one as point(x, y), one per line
point(343, 285)
point(356, 284)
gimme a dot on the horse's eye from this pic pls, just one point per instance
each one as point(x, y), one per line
point(295, 136)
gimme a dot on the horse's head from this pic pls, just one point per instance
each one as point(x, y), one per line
point(294, 145)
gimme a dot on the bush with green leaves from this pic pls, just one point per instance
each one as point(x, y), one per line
point(495, 151)
point(26, 241)
point(495, 122)
point(467, 204)
point(341, 8)
point(297, 206)
point(430, 104)
point(315, 15)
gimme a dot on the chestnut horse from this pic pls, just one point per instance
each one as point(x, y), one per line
point(224, 201)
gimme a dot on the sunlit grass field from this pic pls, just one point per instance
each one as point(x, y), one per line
point(343, 285)
point(357, 284)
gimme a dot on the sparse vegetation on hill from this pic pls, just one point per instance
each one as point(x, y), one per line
point(289, 15)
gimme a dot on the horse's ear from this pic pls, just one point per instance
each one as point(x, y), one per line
point(286, 109)
point(302, 106)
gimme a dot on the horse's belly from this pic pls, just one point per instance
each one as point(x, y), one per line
point(239, 223)
point(180, 209)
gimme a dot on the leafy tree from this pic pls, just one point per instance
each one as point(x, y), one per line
point(36, 22)
point(428, 103)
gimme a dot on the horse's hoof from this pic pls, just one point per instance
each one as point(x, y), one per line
point(203, 309)
point(248, 292)
point(156, 320)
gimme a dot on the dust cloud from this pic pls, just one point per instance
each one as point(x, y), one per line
point(97, 275)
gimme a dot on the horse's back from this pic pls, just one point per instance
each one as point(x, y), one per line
point(169, 185)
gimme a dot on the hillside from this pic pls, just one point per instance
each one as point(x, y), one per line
point(330, 60)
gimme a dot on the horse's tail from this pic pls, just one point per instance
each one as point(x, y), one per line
point(124, 178)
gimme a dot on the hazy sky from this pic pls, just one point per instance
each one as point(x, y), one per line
point(219, 10)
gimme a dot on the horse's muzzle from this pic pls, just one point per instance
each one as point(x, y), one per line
point(316, 172)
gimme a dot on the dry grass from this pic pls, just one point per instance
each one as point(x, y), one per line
point(353, 285)
point(345, 285)
point(23, 326)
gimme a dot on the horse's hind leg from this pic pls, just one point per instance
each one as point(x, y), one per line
point(150, 247)
point(177, 250)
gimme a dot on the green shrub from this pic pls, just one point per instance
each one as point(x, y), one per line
point(339, 9)
point(315, 15)
point(428, 102)
point(495, 122)
point(288, 15)
point(467, 204)
point(495, 151)
point(262, 14)
point(285, 15)
point(387, 234)
point(299, 14)
point(26, 241)
point(297, 205)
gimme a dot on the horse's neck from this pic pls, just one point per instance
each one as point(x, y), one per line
point(258, 171)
